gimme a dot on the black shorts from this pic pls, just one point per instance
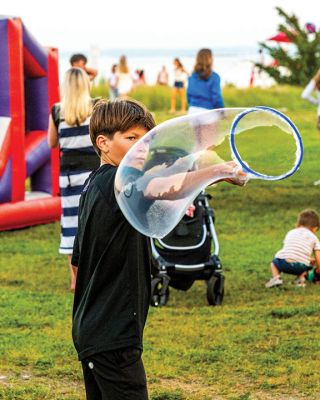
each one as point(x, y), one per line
point(178, 84)
point(115, 375)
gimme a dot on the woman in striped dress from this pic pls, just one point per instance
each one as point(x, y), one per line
point(69, 129)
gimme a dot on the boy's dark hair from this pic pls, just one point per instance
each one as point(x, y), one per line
point(309, 218)
point(109, 117)
point(78, 57)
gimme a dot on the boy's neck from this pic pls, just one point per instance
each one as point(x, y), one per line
point(313, 229)
point(104, 159)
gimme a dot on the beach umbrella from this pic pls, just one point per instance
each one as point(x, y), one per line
point(280, 37)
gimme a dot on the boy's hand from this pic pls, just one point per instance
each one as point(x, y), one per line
point(238, 176)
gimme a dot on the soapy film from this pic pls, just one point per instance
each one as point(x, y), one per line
point(163, 173)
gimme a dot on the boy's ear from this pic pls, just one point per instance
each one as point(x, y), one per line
point(103, 143)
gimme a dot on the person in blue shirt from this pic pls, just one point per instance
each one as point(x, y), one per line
point(204, 92)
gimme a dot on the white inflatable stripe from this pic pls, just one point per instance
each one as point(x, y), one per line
point(4, 124)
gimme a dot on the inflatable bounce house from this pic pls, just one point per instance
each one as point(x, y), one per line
point(29, 86)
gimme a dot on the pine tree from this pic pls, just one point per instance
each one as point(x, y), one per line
point(299, 65)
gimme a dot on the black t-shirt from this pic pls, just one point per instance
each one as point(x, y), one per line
point(113, 282)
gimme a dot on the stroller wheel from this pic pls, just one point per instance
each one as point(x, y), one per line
point(215, 290)
point(158, 298)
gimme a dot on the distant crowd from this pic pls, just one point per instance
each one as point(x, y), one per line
point(200, 89)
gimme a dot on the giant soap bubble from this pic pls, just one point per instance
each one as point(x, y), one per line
point(164, 171)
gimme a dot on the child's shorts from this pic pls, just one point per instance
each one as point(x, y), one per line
point(293, 268)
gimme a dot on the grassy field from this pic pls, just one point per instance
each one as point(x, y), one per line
point(260, 344)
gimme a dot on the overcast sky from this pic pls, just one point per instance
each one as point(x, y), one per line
point(77, 25)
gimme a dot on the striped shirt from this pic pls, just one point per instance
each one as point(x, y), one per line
point(75, 138)
point(299, 245)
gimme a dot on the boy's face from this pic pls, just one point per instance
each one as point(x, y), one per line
point(116, 148)
point(79, 64)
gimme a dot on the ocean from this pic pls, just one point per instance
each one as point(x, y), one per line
point(233, 64)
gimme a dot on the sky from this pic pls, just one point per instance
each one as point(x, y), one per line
point(157, 24)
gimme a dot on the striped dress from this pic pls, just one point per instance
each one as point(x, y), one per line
point(75, 145)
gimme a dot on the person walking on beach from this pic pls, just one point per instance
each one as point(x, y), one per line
point(180, 78)
point(163, 77)
point(307, 94)
point(204, 91)
point(69, 129)
point(125, 80)
point(80, 60)
point(113, 83)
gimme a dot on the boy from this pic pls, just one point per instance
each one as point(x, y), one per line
point(113, 259)
point(80, 61)
point(295, 256)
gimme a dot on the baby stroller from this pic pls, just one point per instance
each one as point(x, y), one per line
point(185, 254)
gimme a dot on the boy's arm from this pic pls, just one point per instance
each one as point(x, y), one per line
point(91, 72)
point(179, 185)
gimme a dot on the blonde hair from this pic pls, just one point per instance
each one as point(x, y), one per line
point(76, 104)
point(316, 78)
point(123, 66)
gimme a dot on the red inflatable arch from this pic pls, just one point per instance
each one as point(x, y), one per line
point(29, 86)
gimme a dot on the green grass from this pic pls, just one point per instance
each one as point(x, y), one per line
point(261, 344)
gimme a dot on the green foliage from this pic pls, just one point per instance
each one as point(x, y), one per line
point(156, 98)
point(259, 344)
point(300, 66)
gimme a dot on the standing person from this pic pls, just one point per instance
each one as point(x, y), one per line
point(180, 77)
point(313, 86)
point(163, 77)
point(80, 60)
point(69, 129)
point(204, 92)
point(113, 283)
point(298, 247)
point(113, 83)
point(125, 80)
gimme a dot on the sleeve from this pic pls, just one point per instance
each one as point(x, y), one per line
point(216, 92)
point(316, 245)
point(307, 93)
point(55, 113)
